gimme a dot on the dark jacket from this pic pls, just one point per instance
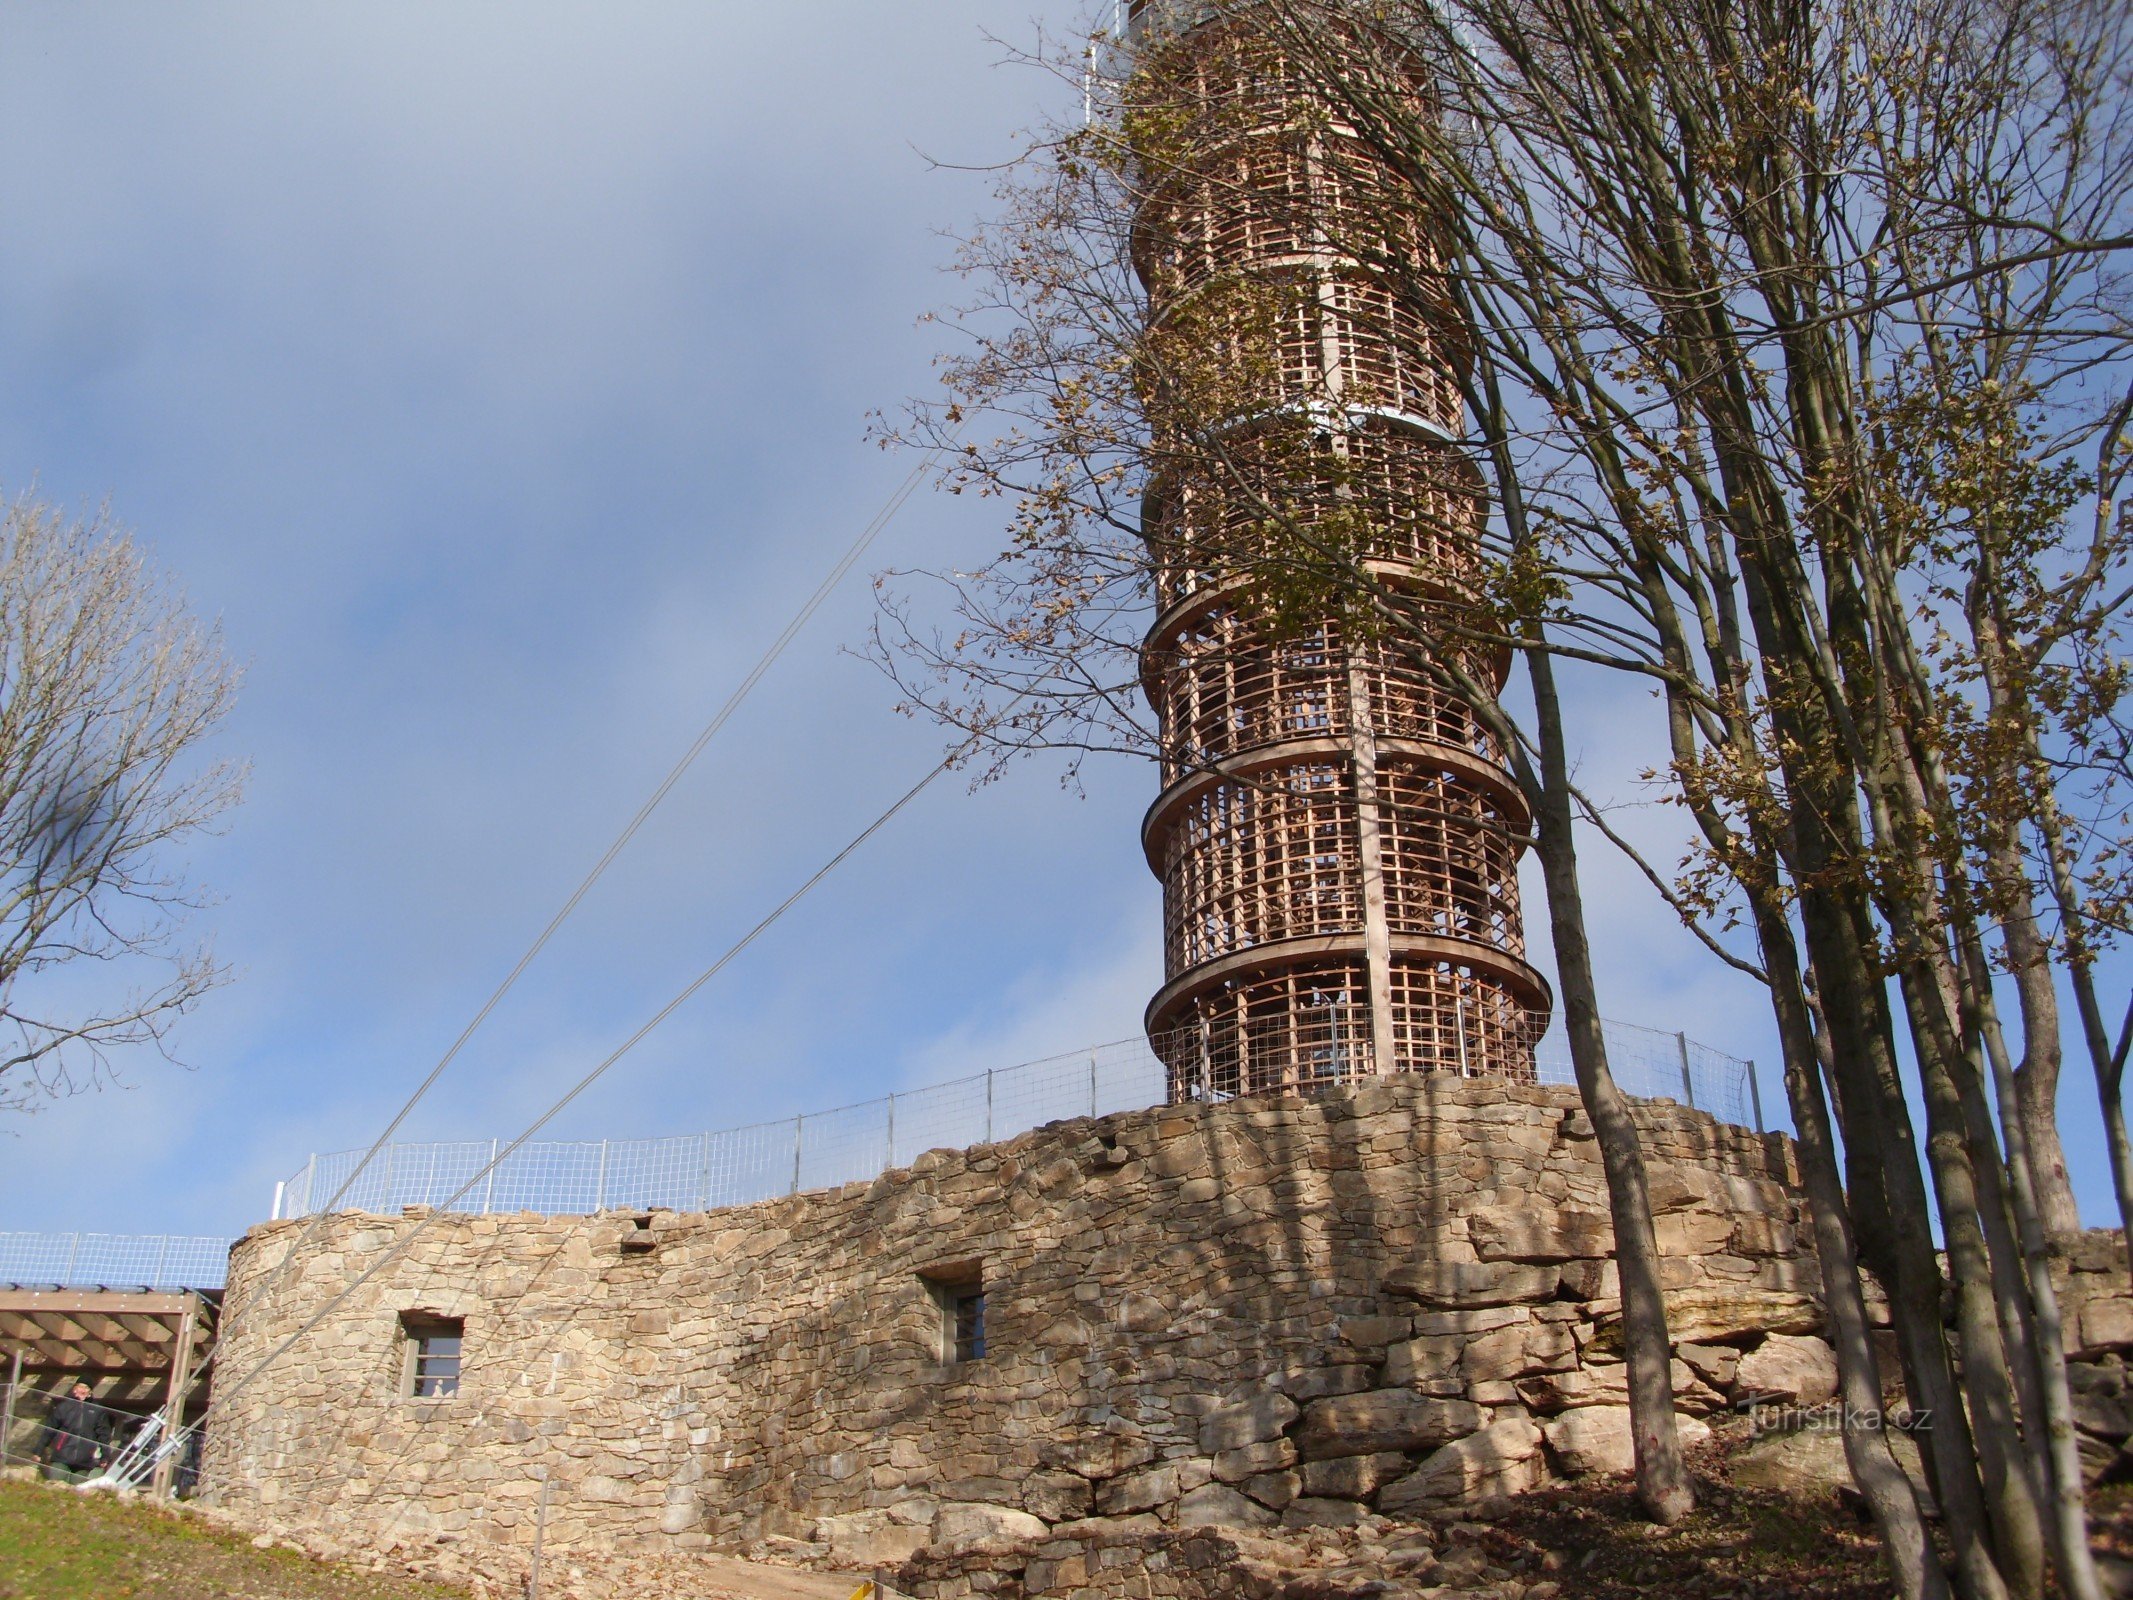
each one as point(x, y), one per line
point(77, 1432)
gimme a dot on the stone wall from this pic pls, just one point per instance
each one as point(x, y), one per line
point(1290, 1310)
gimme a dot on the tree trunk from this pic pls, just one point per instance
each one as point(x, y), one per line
point(2018, 1533)
point(2036, 1080)
point(1880, 1477)
point(1662, 1477)
point(2053, 1419)
point(1878, 1131)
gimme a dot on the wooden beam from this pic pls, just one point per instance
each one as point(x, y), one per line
point(174, 1404)
point(110, 1302)
point(149, 1330)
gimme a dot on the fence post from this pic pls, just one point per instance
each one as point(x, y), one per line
point(703, 1176)
point(540, 1527)
point(1688, 1081)
point(892, 1133)
point(310, 1179)
point(73, 1255)
point(7, 1417)
point(385, 1200)
point(280, 1189)
point(600, 1182)
point(155, 1278)
point(1092, 1083)
point(796, 1121)
point(1755, 1096)
point(988, 1105)
point(488, 1193)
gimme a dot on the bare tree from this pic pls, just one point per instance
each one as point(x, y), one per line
point(1803, 298)
point(109, 691)
point(1078, 394)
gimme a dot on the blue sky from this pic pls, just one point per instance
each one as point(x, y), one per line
point(498, 376)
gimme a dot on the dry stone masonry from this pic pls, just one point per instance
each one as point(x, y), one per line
point(1270, 1314)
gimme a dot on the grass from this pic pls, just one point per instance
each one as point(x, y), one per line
point(56, 1544)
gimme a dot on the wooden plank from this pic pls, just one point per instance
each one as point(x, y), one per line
point(110, 1302)
point(181, 1363)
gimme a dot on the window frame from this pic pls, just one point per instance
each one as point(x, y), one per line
point(959, 1348)
point(417, 1329)
point(956, 1289)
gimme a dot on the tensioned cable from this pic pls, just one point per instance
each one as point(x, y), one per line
point(836, 575)
point(224, 1396)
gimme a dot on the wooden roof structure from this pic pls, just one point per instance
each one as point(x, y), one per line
point(139, 1349)
point(125, 1334)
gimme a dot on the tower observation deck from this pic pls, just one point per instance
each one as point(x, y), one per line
point(1336, 835)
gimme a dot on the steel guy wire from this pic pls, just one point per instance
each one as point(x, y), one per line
point(689, 990)
point(800, 619)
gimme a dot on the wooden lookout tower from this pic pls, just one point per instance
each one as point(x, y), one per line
point(1336, 835)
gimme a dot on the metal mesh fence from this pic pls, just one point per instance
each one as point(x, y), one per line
point(822, 1149)
point(1653, 1065)
point(113, 1260)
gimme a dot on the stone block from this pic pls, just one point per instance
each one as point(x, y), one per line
point(1598, 1439)
point(2099, 1457)
point(1274, 1489)
point(1310, 1513)
point(1374, 1333)
point(2107, 1324)
point(1420, 1360)
point(1248, 1461)
point(1538, 1233)
point(1762, 1236)
point(1215, 1505)
point(1057, 1496)
point(1381, 1420)
point(968, 1525)
point(1719, 1313)
point(1686, 1235)
point(1591, 1280)
point(1668, 1188)
point(1141, 1313)
point(2104, 1415)
point(869, 1539)
point(1460, 1285)
point(1352, 1477)
point(1315, 1383)
point(1498, 1459)
point(1551, 1347)
point(1100, 1455)
point(1146, 1490)
point(1715, 1364)
point(1465, 1324)
point(1501, 1354)
point(1247, 1422)
point(1792, 1369)
point(1547, 1392)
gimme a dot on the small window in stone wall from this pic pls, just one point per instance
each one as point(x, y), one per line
point(431, 1350)
point(967, 1336)
point(959, 1292)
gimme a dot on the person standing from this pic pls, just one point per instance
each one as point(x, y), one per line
point(77, 1435)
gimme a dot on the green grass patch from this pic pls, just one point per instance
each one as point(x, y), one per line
point(56, 1544)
